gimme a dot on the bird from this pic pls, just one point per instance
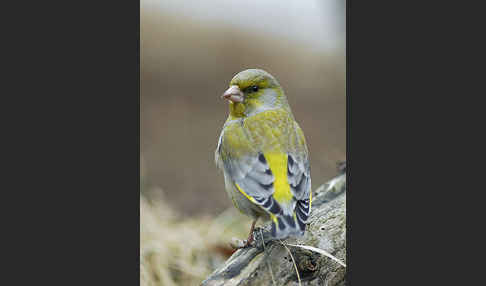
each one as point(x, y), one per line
point(263, 154)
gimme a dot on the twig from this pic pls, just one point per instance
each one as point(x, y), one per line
point(321, 251)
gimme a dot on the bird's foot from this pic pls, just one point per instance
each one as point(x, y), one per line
point(239, 243)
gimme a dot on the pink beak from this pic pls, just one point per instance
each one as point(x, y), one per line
point(233, 94)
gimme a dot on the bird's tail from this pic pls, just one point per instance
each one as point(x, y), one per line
point(285, 225)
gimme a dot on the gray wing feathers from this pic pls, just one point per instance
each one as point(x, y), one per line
point(252, 175)
point(300, 185)
point(298, 174)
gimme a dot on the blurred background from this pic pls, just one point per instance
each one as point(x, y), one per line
point(190, 50)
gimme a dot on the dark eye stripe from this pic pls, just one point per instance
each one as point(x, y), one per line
point(252, 88)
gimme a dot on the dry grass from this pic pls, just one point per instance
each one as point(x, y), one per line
point(175, 251)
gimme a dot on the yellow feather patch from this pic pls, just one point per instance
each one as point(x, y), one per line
point(274, 219)
point(245, 194)
point(310, 200)
point(278, 164)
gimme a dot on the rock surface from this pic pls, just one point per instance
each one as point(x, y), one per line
point(270, 263)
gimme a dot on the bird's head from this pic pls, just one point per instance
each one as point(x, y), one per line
point(252, 91)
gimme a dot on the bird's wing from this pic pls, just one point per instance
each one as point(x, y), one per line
point(298, 175)
point(267, 159)
point(246, 165)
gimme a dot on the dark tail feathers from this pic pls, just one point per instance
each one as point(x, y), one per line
point(284, 226)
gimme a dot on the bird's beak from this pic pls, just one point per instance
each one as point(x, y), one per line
point(233, 94)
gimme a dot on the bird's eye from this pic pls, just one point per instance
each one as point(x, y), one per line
point(254, 88)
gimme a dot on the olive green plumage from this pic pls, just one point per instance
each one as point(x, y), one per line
point(263, 154)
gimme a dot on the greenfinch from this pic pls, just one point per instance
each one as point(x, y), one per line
point(264, 157)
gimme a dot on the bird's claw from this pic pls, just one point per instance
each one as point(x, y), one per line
point(239, 243)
